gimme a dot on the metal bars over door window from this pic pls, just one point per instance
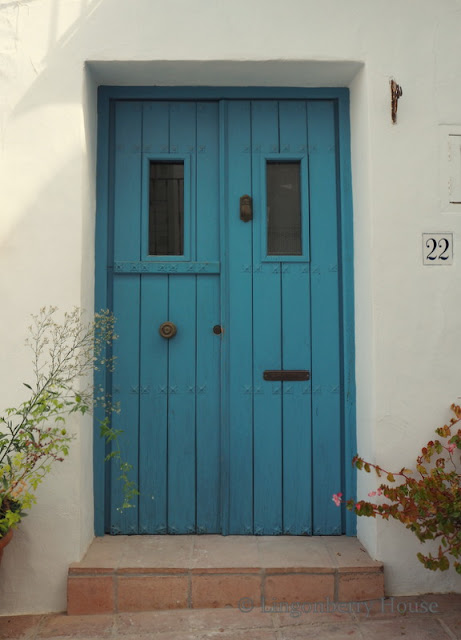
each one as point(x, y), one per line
point(166, 208)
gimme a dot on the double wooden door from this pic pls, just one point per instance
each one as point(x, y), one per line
point(225, 286)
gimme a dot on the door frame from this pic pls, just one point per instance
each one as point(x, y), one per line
point(104, 261)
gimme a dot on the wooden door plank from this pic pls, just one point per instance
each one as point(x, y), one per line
point(297, 421)
point(181, 405)
point(267, 400)
point(126, 300)
point(153, 443)
point(182, 348)
point(326, 373)
point(208, 315)
point(208, 406)
point(296, 348)
point(267, 347)
point(127, 180)
point(154, 355)
point(347, 311)
point(155, 129)
point(183, 125)
point(239, 332)
point(293, 127)
point(125, 390)
point(293, 142)
point(207, 162)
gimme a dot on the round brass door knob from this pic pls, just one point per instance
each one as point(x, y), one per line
point(167, 330)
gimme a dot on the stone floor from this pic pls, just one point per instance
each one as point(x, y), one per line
point(411, 618)
point(143, 573)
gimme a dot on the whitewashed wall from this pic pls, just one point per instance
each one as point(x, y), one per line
point(408, 328)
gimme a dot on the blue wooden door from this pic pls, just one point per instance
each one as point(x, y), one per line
point(285, 437)
point(168, 388)
point(215, 447)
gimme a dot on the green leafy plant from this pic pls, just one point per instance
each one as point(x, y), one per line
point(427, 500)
point(33, 435)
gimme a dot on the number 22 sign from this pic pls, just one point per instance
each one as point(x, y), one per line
point(437, 248)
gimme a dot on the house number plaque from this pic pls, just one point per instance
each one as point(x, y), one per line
point(437, 248)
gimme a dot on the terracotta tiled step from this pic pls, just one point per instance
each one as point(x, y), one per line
point(143, 573)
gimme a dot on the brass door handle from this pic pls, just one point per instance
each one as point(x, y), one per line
point(167, 330)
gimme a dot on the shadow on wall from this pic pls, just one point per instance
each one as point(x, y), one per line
point(40, 237)
point(45, 223)
point(60, 73)
point(15, 5)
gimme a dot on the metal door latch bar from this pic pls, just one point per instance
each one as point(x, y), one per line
point(286, 374)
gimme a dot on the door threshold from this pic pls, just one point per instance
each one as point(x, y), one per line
point(143, 573)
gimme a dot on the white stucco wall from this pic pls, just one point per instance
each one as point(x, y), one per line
point(407, 316)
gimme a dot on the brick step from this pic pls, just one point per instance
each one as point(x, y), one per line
point(145, 573)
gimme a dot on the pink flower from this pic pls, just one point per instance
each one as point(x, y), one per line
point(372, 493)
point(379, 491)
point(451, 447)
point(337, 498)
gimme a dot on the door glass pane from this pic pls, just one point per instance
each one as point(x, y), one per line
point(283, 208)
point(166, 208)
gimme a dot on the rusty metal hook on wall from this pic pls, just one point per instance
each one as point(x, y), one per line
point(396, 93)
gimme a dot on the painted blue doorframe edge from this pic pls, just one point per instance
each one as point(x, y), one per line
point(103, 251)
point(220, 93)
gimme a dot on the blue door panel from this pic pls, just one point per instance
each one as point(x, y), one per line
point(268, 402)
point(156, 127)
point(296, 348)
point(208, 344)
point(267, 337)
point(125, 393)
point(181, 405)
point(153, 407)
point(326, 372)
point(127, 180)
point(208, 415)
point(297, 418)
point(207, 221)
point(126, 303)
point(239, 331)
